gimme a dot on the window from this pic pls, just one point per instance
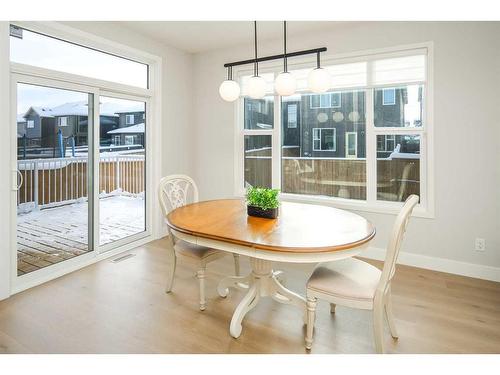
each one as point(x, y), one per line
point(117, 140)
point(129, 119)
point(389, 96)
point(321, 147)
point(324, 139)
point(30, 124)
point(31, 48)
point(292, 116)
point(129, 140)
point(62, 121)
point(406, 113)
point(328, 100)
point(255, 116)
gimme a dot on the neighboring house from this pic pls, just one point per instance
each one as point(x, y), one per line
point(130, 126)
point(40, 125)
point(333, 124)
point(128, 136)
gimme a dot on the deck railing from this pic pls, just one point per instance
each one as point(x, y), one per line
point(50, 182)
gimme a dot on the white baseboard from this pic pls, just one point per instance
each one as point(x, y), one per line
point(438, 264)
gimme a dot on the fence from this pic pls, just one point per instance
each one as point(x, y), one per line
point(338, 177)
point(48, 182)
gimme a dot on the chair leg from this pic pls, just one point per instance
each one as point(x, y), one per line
point(201, 278)
point(389, 315)
point(332, 308)
point(311, 315)
point(236, 264)
point(172, 263)
point(378, 326)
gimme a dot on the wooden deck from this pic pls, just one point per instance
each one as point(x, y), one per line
point(56, 234)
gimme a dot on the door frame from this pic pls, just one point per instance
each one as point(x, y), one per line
point(96, 252)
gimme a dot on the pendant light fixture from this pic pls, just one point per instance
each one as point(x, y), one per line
point(229, 90)
point(256, 84)
point(256, 87)
point(285, 83)
point(319, 79)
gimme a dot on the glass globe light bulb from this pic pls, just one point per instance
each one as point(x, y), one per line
point(229, 90)
point(285, 84)
point(256, 87)
point(319, 80)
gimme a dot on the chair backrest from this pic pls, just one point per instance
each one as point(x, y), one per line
point(404, 180)
point(397, 234)
point(173, 192)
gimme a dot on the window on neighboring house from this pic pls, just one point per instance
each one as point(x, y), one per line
point(296, 162)
point(30, 124)
point(292, 116)
point(62, 121)
point(324, 139)
point(129, 139)
point(388, 96)
point(129, 119)
point(143, 116)
point(117, 140)
point(328, 100)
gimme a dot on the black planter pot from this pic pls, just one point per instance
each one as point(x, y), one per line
point(270, 213)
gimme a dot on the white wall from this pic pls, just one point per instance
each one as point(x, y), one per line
point(466, 135)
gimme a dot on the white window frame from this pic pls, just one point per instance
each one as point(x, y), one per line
point(30, 124)
point(62, 123)
point(347, 143)
point(315, 138)
point(384, 102)
point(129, 119)
point(151, 96)
point(425, 208)
point(117, 140)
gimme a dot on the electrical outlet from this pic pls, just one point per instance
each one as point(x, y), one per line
point(480, 244)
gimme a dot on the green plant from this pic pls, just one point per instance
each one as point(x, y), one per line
point(262, 197)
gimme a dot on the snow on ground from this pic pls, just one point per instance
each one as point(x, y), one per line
point(120, 216)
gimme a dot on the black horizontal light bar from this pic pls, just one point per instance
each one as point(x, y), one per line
point(276, 57)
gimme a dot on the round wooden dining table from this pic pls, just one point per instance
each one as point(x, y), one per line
point(302, 233)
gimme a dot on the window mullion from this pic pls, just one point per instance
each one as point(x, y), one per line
point(371, 149)
point(276, 145)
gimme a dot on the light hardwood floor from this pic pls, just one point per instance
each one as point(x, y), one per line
point(122, 308)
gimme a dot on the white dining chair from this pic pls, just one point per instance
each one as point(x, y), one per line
point(173, 192)
point(357, 284)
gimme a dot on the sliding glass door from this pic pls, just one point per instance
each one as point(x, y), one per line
point(54, 190)
point(122, 169)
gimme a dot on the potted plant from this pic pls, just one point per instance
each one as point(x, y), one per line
point(262, 202)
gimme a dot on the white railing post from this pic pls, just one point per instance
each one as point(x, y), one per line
point(35, 184)
point(117, 173)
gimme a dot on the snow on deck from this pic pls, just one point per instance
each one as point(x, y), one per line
point(52, 235)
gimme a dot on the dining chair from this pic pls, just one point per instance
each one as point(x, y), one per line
point(357, 284)
point(173, 192)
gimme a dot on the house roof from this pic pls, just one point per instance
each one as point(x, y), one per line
point(81, 109)
point(136, 107)
point(139, 128)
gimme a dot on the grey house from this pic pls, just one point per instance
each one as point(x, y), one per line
point(332, 124)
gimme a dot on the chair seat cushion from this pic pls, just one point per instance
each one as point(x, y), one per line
point(349, 278)
point(194, 251)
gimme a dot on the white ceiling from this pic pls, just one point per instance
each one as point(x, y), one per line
point(199, 36)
